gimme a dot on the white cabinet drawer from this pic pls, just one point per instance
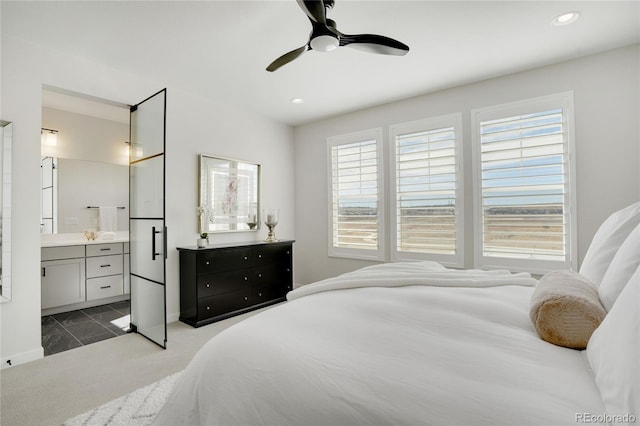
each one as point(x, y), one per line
point(104, 265)
point(62, 252)
point(98, 288)
point(104, 249)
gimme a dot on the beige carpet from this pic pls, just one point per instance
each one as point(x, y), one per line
point(137, 408)
point(58, 387)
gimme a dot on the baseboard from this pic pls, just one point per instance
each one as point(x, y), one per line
point(84, 305)
point(22, 358)
point(173, 317)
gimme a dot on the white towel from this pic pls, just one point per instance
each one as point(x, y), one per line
point(108, 218)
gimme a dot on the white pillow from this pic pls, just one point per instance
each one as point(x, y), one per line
point(607, 240)
point(613, 353)
point(622, 267)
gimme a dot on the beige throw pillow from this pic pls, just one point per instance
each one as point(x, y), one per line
point(566, 309)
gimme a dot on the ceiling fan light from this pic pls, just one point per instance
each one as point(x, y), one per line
point(324, 43)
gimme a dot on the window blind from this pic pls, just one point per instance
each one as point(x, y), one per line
point(524, 179)
point(425, 164)
point(354, 187)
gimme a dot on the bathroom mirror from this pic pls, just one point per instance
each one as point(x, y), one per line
point(6, 137)
point(229, 195)
point(65, 199)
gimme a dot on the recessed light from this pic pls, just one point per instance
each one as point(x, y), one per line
point(297, 101)
point(566, 18)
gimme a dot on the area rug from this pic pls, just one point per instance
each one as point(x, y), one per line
point(137, 408)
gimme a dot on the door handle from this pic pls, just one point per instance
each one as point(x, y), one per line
point(153, 243)
point(164, 239)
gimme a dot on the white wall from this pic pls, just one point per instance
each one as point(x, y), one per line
point(606, 97)
point(83, 137)
point(194, 125)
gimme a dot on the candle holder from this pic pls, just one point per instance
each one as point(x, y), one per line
point(252, 217)
point(271, 220)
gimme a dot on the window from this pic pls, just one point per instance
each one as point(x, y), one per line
point(524, 185)
point(355, 195)
point(426, 193)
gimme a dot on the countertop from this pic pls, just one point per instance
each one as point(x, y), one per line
point(77, 239)
point(233, 245)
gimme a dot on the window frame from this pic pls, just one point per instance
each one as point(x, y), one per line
point(352, 138)
point(428, 124)
point(563, 101)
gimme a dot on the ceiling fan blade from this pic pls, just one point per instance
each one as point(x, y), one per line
point(286, 58)
point(374, 44)
point(315, 10)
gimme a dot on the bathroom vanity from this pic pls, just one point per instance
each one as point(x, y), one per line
point(78, 274)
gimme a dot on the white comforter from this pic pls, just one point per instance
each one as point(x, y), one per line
point(427, 352)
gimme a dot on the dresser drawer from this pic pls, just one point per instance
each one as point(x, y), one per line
point(223, 282)
point(268, 292)
point(97, 288)
point(223, 260)
point(273, 255)
point(104, 265)
point(104, 249)
point(278, 274)
point(224, 303)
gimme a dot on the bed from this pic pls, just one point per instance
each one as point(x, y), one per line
point(419, 344)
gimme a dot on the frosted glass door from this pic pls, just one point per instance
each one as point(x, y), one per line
point(147, 230)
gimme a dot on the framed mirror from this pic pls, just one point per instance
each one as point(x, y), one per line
point(229, 195)
point(6, 137)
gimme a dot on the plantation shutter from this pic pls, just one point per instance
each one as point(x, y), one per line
point(354, 191)
point(426, 192)
point(524, 186)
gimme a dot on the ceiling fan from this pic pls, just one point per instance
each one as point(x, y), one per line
point(325, 36)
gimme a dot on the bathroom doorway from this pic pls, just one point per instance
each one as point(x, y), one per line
point(84, 220)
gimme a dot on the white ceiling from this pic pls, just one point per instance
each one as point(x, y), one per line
point(220, 49)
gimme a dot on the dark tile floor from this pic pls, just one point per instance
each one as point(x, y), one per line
point(68, 330)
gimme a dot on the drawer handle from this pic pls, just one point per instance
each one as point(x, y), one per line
point(288, 270)
point(246, 298)
point(105, 266)
point(259, 275)
point(260, 294)
point(208, 285)
point(208, 308)
point(260, 256)
point(105, 249)
point(105, 287)
point(246, 258)
point(246, 278)
point(207, 262)
point(288, 252)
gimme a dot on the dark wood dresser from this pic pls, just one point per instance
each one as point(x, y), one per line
point(220, 281)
